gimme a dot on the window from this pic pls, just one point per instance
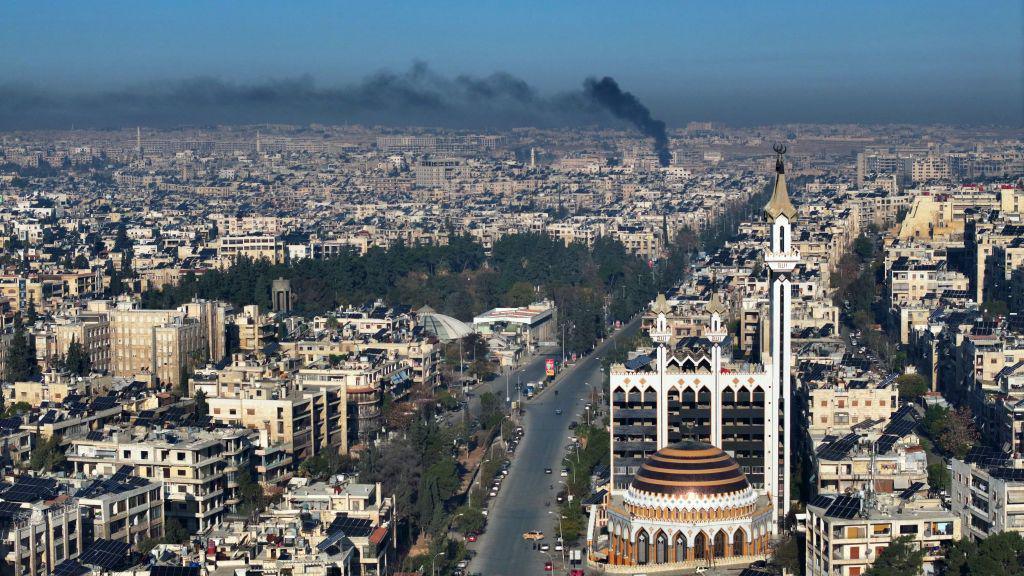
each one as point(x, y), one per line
point(908, 529)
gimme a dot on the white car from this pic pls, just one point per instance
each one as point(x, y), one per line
point(564, 473)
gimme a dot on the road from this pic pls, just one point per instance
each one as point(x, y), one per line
point(520, 504)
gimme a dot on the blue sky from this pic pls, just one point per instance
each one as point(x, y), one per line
point(732, 61)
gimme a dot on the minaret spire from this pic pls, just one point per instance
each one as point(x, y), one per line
point(779, 204)
point(781, 259)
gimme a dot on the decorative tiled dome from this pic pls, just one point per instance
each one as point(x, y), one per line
point(690, 468)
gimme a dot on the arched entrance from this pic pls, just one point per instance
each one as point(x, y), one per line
point(661, 548)
point(680, 546)
point(643, 548)
point(700, 546)
point(737, 542)
point(720, 539)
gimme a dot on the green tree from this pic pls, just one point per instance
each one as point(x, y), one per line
point(174, 532)
point(912, 386)
point(935, 421)
point(900, 558)
point(1001, 554)
point(250, 493)
point(864, 248)
point(77, 360)
point(21, 362)
point(202, 407)
point(469, 519)
point(787, 554)
point(938, 477)
point(47, 455)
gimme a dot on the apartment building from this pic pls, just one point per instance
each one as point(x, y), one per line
point(364, 508)
point(837, 409)
point(845, 534)
point(40, 526)
point(987, 493)
point(91, 330)
point(123, 507)
point(308, 421)
point(253, 246)
point(192, 465)
point(162, 343)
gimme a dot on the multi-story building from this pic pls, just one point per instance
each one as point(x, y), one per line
point(988, 495)
point(123, 507)
point(40, 527)
point(846, 534)
point(253, 246)
point(193, 466)
point(307, 422)
point(163, 343)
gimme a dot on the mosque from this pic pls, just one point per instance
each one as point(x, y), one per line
point(699, 459)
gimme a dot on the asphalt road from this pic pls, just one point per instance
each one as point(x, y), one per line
point(526, 500)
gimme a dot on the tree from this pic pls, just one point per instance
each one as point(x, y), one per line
point(900, 558)
point(938, 477)
point(863, 248)
point(935, 421)
point(21, 362)
point(77, 360)
point(202, 407)
point(250, 493)
point(490, 410)
point(912, 386)
point(47, 456)
point(1001, 554)
point(787, 553)
point(469, 519)
point(959, 433)
point(174, 532)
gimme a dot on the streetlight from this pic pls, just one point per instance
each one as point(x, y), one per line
point(433, 568)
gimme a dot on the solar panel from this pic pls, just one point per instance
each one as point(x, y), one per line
point(106, 554)
point(10, 423)
point(1016, 474)
point(909, 492)
point(28, 489)
point(104, 403)
point(353, 527)
point(94, 435)
point(900, 427)
point(174, 571)
point(821, 501)
point(70, 568)
point(840, 448)
point(844, 507)
point(886, 442)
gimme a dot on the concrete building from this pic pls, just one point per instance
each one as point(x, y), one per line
point(40, 527)
point(988, 495)
point(846, 534)
point(193, 466)
point(123, 507)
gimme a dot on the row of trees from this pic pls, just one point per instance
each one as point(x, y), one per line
point(590, 285)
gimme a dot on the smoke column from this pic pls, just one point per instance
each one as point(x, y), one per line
point(623, 105)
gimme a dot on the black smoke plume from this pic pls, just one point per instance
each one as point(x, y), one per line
point(418, 96)
point(625, 106)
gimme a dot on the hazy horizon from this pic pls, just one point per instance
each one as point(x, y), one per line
point(495, 65)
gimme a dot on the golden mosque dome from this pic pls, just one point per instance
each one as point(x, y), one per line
point(690, 475)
